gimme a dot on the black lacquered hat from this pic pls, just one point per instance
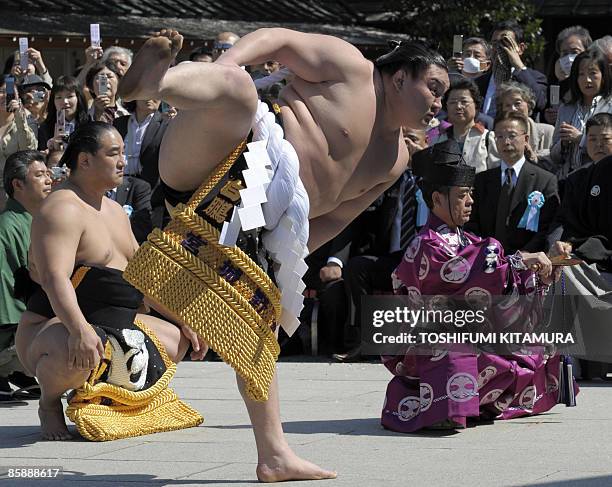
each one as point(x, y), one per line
point(443, 164)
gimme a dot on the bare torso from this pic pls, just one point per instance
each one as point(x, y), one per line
point(106, 238)
point(334, 114)
point(333, 128)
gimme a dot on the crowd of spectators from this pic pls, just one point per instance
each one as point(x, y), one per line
point(501, 112)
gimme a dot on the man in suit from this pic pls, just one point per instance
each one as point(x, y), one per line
point(134, 195)
point(142, 132)
point(508, 48)
point(325, 277)
point(501, 194)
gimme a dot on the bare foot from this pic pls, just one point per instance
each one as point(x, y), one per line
point(142, 81)
point(52, 422)
point(288, 466)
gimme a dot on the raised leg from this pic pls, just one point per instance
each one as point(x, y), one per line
point(276, 462)
point(215, 102)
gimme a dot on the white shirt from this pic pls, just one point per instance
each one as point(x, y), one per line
point(488, 106)
point(518, 165)
point(133, 143)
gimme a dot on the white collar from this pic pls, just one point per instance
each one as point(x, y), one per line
point(517, 166)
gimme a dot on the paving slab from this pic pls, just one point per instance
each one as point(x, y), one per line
point(331, 416)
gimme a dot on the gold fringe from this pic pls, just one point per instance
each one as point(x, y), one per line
point(190, 287)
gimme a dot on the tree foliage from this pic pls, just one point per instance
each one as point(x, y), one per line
point(438, 21)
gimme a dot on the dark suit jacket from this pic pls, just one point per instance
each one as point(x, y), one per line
point(338, 247)
point(530, 77)
point(585, 216)
point(487, 189)
point(149, 152)
point(372, 229)
point(137, 194)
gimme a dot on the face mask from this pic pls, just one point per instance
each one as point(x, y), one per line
point(471, 65)
point(566, 63)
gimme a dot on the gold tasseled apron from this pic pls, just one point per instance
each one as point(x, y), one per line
point(219, 291)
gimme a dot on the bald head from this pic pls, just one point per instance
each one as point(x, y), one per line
point(223, 42)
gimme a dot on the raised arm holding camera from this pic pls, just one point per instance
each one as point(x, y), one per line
point(15, 133)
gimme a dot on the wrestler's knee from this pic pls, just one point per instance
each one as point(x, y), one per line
point(183, 346)
point(49, 354)
point(54, 375)
point(238, 88)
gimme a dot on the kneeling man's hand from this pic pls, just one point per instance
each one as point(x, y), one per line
point(85, 348)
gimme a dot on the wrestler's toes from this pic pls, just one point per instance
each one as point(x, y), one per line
point(293, 469)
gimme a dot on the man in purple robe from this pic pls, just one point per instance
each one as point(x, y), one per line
point(443, 389)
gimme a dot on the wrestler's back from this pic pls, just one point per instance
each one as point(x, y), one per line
point(333, 128)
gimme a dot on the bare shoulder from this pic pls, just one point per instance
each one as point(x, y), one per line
point(61, 206)
point(116, 210)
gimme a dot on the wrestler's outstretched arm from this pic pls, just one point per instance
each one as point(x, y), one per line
point(56, 233)
point(312, 57)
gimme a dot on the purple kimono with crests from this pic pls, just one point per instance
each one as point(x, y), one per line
point(428, 389)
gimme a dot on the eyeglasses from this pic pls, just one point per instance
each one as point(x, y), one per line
point(509, 138)
point(463, 103)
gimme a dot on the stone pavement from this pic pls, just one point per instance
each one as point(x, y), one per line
point(331, 416)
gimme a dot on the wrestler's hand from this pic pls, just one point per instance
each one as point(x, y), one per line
point(85, 349)
point(200, 347)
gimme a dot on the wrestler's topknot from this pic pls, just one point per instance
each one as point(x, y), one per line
point(86, 138)
point(414, 57)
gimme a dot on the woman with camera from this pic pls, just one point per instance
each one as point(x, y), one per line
point(102, 81)
point(15, 133)
point(67, 110)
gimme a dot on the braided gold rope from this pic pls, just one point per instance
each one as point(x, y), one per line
point(219, 285)
point(222, 168)
point(168, 282)
point(78, 276)
point(194, 222)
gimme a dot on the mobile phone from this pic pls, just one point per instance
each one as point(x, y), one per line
point(23, 58)
point(94, 34)
point(60, 124)
point(164, 107)
point(102, 84)
point(554, 95)
point(9, 83)
point(457, 45)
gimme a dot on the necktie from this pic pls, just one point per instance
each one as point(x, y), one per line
point(408, 206)
point(503, 207)
point(110, 194)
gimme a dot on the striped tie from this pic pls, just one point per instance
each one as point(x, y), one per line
point(408, 204)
